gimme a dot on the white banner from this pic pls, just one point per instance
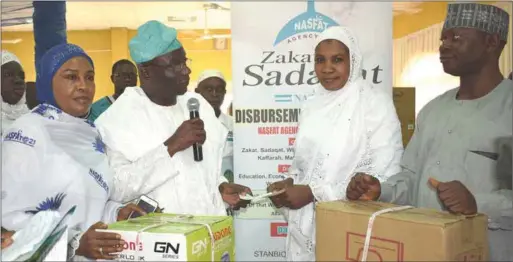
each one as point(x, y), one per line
point(273, 53)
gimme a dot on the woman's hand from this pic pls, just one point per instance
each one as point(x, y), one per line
point(277, 200)
point(7, 238)
point(99, 245)
point(124, 212)
point(296, 196)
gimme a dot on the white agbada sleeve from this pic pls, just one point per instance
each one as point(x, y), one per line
point(140, 176)
point(384, 151)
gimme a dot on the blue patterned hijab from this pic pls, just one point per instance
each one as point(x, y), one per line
point(50, 63)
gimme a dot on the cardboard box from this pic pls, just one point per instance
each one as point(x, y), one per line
point(169, 237)
point(404, 101)
point(407, 235)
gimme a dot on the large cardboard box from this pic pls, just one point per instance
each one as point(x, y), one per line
point(406, 235)
point(168, 237)
point(404, 101)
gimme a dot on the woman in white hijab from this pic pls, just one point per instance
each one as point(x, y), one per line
point(13, 89)
point(348, 127)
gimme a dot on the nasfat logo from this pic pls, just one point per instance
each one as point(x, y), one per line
point(294, 70)
point(290, 67)
point(279, 229)
point(310, 21)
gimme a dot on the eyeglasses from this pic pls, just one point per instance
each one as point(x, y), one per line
point(177, 67)
point(182, 66)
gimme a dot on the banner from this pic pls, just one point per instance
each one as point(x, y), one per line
point(273, 59)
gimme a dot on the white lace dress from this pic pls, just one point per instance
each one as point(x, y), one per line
point(354, 129)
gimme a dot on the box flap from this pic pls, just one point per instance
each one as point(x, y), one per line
point(416, 215)
point(177, 224)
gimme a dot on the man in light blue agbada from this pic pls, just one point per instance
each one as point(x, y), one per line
point(463, 137)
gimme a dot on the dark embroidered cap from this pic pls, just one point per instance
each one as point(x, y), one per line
point(483, 17)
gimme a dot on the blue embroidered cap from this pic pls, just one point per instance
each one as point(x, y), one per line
point(50, 63)
point(153, 39)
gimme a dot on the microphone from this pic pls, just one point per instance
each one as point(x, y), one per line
point(193, 106)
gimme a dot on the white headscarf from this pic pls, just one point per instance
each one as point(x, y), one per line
point(335, 141)
point(331, 138)
point(12, 112)
point(330, 143)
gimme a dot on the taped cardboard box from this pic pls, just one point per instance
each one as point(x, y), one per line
point(412, 234)
point(169, 237)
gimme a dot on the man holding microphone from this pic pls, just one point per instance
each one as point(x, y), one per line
point(150, 135)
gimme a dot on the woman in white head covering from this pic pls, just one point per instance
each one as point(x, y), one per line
point(13, 89)
point(348, 127)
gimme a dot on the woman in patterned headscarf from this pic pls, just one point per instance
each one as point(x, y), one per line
point(348, 127)
point(13, 89)
point(64, 162)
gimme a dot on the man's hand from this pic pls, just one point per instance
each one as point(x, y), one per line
point(99, 245)
point(363, 187)
point(456, 198)
point(7, 238)
point(230, 193)
point(277, 187)
point(124, 212)
point(190, 132)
